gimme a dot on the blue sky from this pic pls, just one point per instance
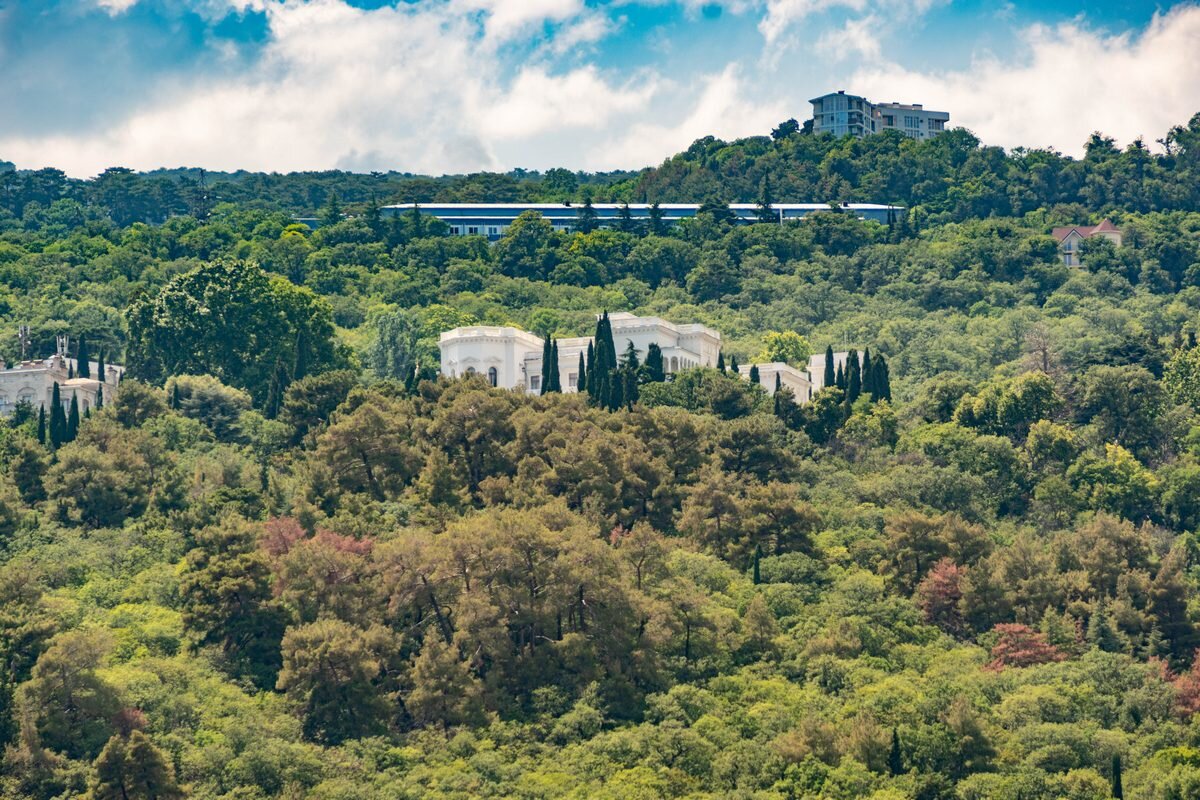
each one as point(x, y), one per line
point(460, 85)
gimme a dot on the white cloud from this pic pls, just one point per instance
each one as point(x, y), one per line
point(116, 6)
point(508, 18)
point(1071, 81)
point(407, 88)
point(858, 37)
point(725, 109)
point(782, 14)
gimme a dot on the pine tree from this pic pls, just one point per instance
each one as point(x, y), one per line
point(721, 360)
point(1100, 632)
point(625, 222)
point(754, 376)
point(853, 377)
point(73, 419)
point(41, 428)
point(830, 377)
point(895, 757)
point(58, 418)
point(585, 221)
point(763, 211)
point(546, 361)
point(83, 358)
point(654, 368)
point(1118, 791)
point(581, 380)
point(331, 214)
point(868, 374)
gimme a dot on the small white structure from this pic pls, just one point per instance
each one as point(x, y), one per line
point(33, 382)
point(799, 381)
point(816, 367)
point(511, 358)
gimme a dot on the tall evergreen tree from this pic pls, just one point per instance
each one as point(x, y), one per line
point(853, 377)
point(1118, 791)
point(840, 379)
point(99, 397)
point(895, 757)
point(757, 573)
point(546, 367)
point(763, 211)
point(778, 382)
point(83, 358)
point(70, 371)
point(754, 376)
point(41, 428)
point(58, 418)
point(733, 365)
point(556, 381)
point(101, 374)
point(625, 221)
point(883, 381)
point(655, 369)
point(721, 360)
point(73, 419)
point(589, 367)
point(830, 375)
point(868, 374)
point(657, 219)
point(585, 217)
point(581, 380)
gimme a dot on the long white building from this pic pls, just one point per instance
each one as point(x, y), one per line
point(511, 358)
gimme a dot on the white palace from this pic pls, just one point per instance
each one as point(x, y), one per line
point(511, 358)
point(33, 382)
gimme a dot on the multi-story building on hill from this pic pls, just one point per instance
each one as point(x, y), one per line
point(511, 358)
point(1072, 236)
point(33, 382)
point(851, 115)
point(492, 219)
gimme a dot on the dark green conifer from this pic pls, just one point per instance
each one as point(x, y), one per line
point(840, 379)
point(41, 428)
point(1118, 791)
point(546, 361)
point(555, 380)
point(883, 381)
point(100, 397)
point(654, 368)
point(895, 757)
point(830, 375)
point(733, 365)
point(58, 418)
point(100, 369)
point(83, 358)
point(757, 559)
point(73, 419)
point(721, 360)
point(754, 376)
point(868, 374)
point(581, 380)
point(853, 377)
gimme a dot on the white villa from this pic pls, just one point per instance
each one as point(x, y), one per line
point(511, 358)
point(33, 382)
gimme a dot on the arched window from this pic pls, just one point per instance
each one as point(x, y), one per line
point(493, 376)
point(470, 370)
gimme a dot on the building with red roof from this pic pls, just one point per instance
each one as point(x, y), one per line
point(1071, 237)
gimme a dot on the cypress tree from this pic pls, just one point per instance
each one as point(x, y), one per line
point(721, 360)
point(83, 358)
point(100, 397)
point(41, 428)
point(175, 396)
point(1191, 340)
point(1118, 791)
point(589, 367)
point(546, 362)
point(70, 371)
point(100, 372)
point(840, 379)
point(830, 377)
point(754, 377)
point(895, 758)
point(73, 419)
point(778, 383)
point(58, 418)
point(883, 381)
point(757, 559)
point(733, 365)
point(853, 377)
point(556, 381)
point(655, 369)
point(868, 374)
point(581, 379)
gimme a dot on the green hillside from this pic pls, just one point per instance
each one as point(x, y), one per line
point(289, 561)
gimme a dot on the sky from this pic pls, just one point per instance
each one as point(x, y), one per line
point(456, 86)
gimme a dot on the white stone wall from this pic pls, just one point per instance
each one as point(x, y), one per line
point(33, 382)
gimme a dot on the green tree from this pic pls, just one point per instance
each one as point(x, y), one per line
point(394, 352)
point(787, 347)
point(132, 768)
point(59, 433)
point(83, 358)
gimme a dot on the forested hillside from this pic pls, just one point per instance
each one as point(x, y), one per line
point(288, 560)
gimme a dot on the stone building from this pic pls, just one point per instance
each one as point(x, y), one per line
point(33, 382)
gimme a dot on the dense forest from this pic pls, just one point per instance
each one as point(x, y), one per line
point(288, 560)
